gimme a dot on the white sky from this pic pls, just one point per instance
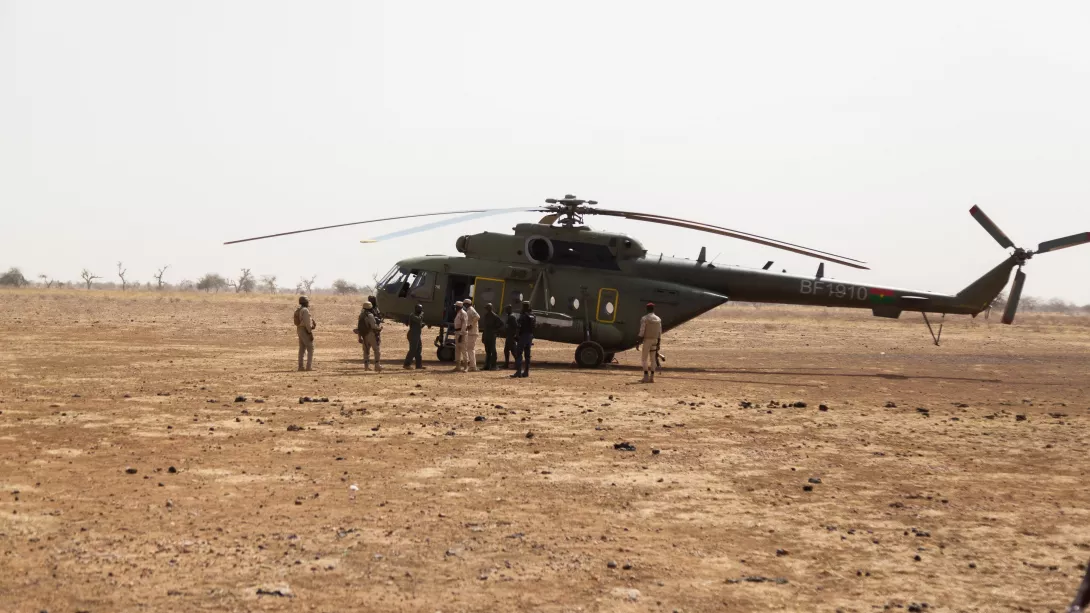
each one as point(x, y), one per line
point(150, 132)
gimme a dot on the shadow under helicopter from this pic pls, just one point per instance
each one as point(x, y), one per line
point(685, 372)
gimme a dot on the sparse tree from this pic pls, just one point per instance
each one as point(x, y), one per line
point(88, 277)
point(159, 276)
point(1059, 305)
point(211, 282)
point(186, 285)
point(1029, 304)
point(46, 281)
point(305, 285)
point(245, 282)
point(13, 278)
point(343, 287)
point(269, 283)
point(121, 274)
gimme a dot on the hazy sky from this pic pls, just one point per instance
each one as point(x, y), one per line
point(150, 132)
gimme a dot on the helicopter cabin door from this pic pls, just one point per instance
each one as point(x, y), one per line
point(487, 290)
point(607, 305)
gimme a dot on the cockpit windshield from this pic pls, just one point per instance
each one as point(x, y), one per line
point(391, 280)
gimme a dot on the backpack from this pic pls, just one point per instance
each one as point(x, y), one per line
point(298, 318)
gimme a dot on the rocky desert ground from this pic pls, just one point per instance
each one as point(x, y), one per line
point(158, 453)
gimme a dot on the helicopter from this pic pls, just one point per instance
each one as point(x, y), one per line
point(590, 288)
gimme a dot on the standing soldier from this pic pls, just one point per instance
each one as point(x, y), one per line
point(378, 320)
point(511, 330)
point(526, 322)
point(416, 347)
point(304, 327)
point(650, 337)
point(460, 318)
point(369, 329)
point(472, 332)
point(491, 325)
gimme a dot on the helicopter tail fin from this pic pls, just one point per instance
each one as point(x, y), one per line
point(982, 292)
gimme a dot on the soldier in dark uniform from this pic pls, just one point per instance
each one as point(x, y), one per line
point(416, 346)
point(491, 326)
point(378, 318)
point(511, 327)
point(526, 322)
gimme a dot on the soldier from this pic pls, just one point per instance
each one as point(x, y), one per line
point(511, 330)
point(369, 329)
point(416, 347)
point(304, 327)
point(472, 332)
point(491, 326)
point(650, 337)
point(378, 318)
point(526, 322)
point(460, 318)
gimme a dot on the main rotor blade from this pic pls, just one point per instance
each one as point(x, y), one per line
point(444, 222)
point(753, 238)
point(357, 223)
point(1063, 243)
point(1014, 297)
point(990, 226)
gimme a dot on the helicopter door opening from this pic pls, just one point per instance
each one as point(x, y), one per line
point(607, 305)
point(458, 288)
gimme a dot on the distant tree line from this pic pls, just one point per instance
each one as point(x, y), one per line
point(245, 282)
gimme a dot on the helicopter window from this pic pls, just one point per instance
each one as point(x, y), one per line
point(552, 300)
point(388, 277)
point(574, 304)
point(584, 254)
point(397, 282)
point(422, 286)
point(609, 308)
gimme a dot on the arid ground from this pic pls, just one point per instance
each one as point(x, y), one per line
point(155, 456)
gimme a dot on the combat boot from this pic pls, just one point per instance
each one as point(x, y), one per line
point(652, 379)
point(645, 378)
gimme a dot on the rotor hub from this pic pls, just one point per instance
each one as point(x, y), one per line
point(1021, 255)
point(569, 209)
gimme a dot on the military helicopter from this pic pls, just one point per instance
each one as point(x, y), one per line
point(589, 288)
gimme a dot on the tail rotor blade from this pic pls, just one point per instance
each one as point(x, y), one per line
point(1015, 296)
point(990, 226)
point(1063, 243)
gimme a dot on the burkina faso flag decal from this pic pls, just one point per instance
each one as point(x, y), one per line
point(881, 296)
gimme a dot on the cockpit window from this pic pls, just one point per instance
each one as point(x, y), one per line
point(422, 284)
point(388, 277)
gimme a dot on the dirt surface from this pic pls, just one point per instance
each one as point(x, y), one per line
point(154, 456)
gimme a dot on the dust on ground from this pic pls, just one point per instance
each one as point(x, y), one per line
point(155, 456)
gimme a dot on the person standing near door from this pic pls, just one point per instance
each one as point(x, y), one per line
point(369, 328)
point(304, 328)
point(511, 331)
point(472, 332)
point(491, 326)
point(526, 324)
point(460, 318)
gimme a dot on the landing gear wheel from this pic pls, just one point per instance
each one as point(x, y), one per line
point(445, 353)
point(609, 357)
point(589, 354)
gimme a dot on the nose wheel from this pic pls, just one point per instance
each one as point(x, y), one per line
point(589, 354)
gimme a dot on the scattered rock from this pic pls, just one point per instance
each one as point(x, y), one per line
point(759, 579)
point(1019, 418)
point(624, 446)
point(800, 405)
point(822, 407)
point(655, 451)
point(130, 471)
point(240, 399)
point(629, 594)
point(807, 488)
point(480, 418)
point(529, 435)
point(781, 552)
point(814, 480)
point(281, 591)
point(891, 405)
point(294, 428)
point(745, 404)
point(611, 564)
point(172, 470)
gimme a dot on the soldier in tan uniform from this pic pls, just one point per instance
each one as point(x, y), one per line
point(304, 328)
point(472, 332)
point(650, 337)
point(369, 329)
point(460, 319)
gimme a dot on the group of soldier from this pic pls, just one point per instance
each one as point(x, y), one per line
point(518, 334)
